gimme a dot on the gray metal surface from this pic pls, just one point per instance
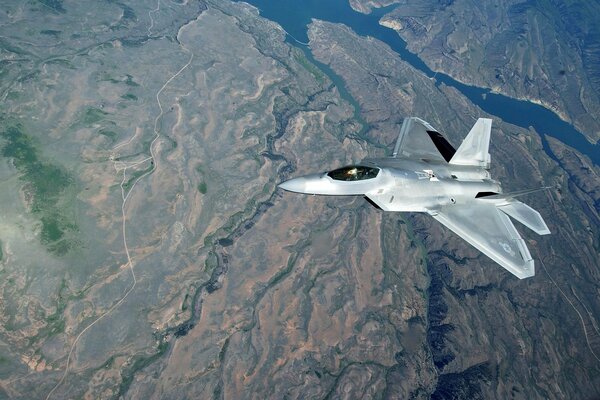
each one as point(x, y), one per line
point(459, 193)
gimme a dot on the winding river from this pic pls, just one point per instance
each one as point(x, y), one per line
point(295, 15)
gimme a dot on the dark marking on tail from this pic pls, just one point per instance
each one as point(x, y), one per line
point(443, 146)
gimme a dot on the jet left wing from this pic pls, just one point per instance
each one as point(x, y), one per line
point(490, 231)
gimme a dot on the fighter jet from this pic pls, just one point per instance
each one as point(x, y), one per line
point(426, 174)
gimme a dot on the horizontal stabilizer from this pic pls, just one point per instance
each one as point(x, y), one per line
point(525, 215)
point(474, 149)
point(492, 232)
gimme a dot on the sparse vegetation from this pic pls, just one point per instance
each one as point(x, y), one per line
point(93, 115)
point(55, 5)
point(109, 134)
point(44, 185)
point(302, 60)
point(129, 96)
point(50, 32)
point(130, 82)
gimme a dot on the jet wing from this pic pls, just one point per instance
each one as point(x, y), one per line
point(490, 231)
point(419, 140)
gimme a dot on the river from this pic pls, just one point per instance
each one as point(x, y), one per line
point(295, 15)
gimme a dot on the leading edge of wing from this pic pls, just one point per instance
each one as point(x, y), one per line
point(491, 232)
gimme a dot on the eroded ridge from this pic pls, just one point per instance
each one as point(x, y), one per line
point(127, 186)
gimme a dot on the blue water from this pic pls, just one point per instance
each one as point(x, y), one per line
point(295, 15)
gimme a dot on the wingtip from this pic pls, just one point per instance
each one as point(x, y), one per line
point(527, 271)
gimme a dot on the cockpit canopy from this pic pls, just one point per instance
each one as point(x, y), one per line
point(353, 173)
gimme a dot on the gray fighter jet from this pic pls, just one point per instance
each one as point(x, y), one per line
point(426, 174)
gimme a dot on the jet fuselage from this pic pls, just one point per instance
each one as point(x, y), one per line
point(405, 185)
point(426, 174)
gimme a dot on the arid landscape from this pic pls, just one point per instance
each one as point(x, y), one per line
point(546, 52)
point(146, 251)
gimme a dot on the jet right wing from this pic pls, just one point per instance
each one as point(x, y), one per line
point(419, 140)
point(490, 231)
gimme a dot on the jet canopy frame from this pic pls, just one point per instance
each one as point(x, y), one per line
point(353, 173)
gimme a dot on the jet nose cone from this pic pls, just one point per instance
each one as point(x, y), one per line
point(297, 185)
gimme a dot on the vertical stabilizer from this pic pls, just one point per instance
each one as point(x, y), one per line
point(474, 149)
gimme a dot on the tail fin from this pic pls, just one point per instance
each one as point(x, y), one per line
point(474, 149)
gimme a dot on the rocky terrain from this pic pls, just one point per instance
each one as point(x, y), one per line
point(488, 336)
point(140, 158)
point(545, 51)
point(366, 6)
point(145, 251)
